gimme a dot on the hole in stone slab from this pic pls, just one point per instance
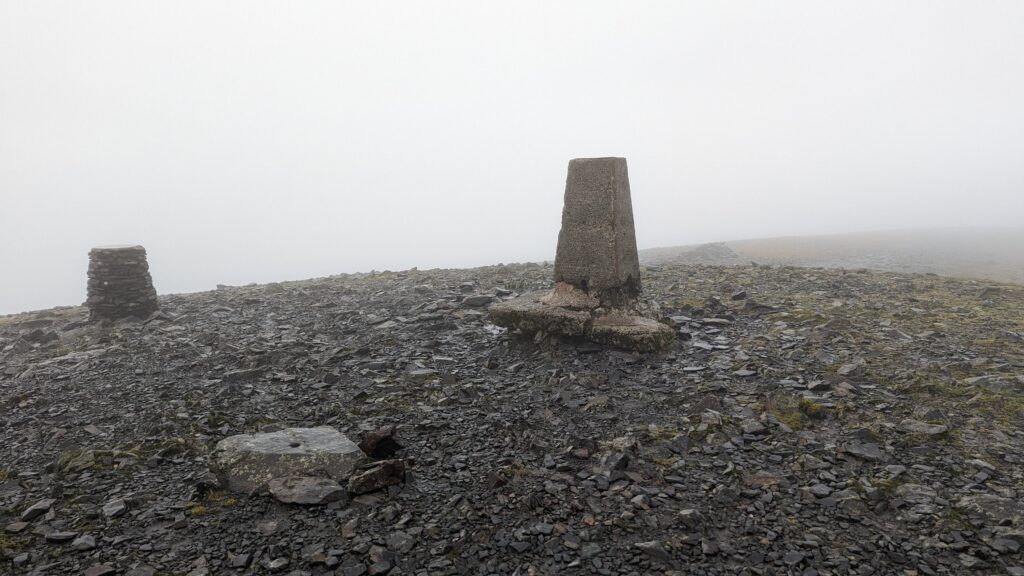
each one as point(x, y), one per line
point(295, 444)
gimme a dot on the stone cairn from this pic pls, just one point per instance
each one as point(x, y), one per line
point(119, 283)
point(597, 271)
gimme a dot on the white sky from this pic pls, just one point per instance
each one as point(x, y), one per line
point(257, 141)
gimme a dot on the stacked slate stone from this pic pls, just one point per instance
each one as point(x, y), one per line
point(119, 283)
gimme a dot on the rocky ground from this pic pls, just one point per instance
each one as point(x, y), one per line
point(806, 421)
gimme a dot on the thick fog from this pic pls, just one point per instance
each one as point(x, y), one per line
point(254, 141)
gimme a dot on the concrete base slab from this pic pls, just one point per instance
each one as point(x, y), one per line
point(530, 314)
point(533, 312)
point(632, 332)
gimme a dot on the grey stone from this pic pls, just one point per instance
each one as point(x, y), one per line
point(114, 508)
point(597, 242)
point(993, 509)
point(421, 375)
point(400, 542)
point(36, 510)
point(305, 490)
point(915, 493)
point(477, 300)
point(381, 475)
point(61, 537)
point(247, 462)
point(820, 490)
point(655, 551)
point(84, 542)
point(918, 427)
point(865, 451)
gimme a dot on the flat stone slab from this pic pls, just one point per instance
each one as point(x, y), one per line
point(631, 332)
point(530, 313)
point(248, 462)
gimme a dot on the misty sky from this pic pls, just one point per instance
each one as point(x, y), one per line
point(257, 141)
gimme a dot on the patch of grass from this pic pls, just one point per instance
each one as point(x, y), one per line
point(888, 486)
point(698, 435)
point(841, 409)
point(519, 471)
point(660, 433)
point(812, 409)
point(6, 543)
point(953, 519)
point(213, 501)
point(786, 409)
point(4, 474)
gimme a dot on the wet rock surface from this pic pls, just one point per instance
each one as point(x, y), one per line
point(827, 422)
point(247, 462)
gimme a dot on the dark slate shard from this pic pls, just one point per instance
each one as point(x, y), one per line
point(380, 443)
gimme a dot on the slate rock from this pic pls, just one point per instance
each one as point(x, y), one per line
point(865, 451)
point(918, 427)
point(306, 490)
point(380, 443)
point(477, 300)
point(100, 570)
point(38, 509)
point(115, 508)
point(380, 475)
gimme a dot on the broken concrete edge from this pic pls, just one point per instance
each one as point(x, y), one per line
point(623, 329)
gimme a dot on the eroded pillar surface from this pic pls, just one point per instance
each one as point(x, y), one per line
point(597, 242)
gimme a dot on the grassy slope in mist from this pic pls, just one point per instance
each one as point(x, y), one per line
point(992, 254)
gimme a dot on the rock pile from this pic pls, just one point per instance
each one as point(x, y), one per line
point(597, 272)
point(119, 283)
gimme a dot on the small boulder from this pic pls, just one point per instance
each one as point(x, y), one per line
point(381, 475)
point(247, 462)
point(924, 428)
point(380, 443)
point(477, 300)
point(36, 510)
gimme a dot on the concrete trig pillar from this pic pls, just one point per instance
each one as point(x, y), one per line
point(597, 242)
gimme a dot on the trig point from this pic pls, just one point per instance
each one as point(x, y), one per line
point(597, 243)
point(119, 283)
point(597, 271)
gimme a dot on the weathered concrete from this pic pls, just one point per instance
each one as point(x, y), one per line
point(632, 332)
point(597, 272)
point(597, 242)
point(248, 462)
point(529, 314)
